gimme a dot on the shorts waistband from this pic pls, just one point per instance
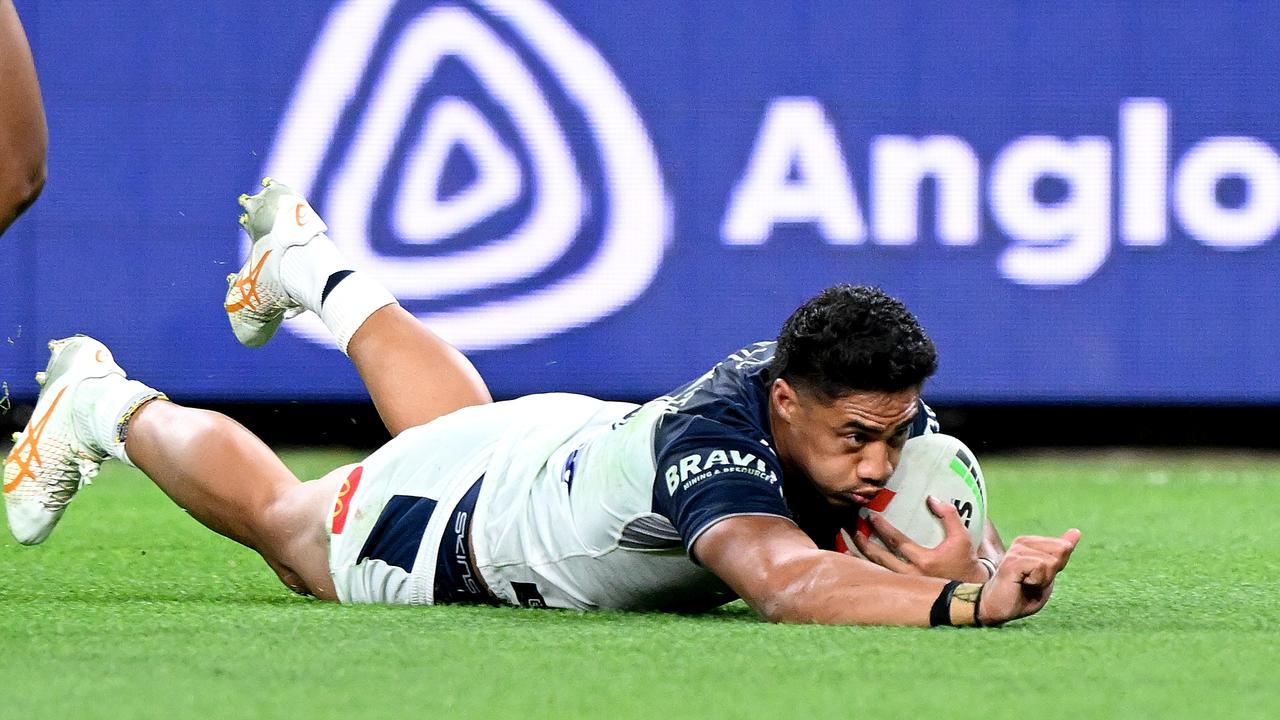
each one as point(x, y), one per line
point(457, 578)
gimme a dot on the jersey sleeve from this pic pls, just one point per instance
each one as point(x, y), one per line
point(926, 421)
point(708, 472)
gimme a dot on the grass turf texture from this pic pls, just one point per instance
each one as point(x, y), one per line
point(1168, 609)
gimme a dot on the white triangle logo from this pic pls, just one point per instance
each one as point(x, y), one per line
point(348, 125)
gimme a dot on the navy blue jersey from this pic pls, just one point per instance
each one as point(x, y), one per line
point(715, 456)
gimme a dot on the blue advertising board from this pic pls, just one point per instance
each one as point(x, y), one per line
point(1080, 202)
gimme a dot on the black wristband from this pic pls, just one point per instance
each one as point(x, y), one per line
point(940, 613)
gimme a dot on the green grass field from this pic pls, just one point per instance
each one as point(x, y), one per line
point(1169, 609)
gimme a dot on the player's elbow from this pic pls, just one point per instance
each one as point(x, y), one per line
point(787, 605)
point(824, 588)
point(21, 181)
point(791, 592)
point(785, 610)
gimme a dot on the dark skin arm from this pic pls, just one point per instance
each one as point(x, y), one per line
point(24, 137)
point(784, 577)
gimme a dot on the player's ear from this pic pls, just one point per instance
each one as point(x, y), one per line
point(785, 399)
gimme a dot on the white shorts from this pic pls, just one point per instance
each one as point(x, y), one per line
point(402, 526)
point(404, 513)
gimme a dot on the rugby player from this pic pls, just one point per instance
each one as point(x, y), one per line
point(24, 138)
point(731, 486)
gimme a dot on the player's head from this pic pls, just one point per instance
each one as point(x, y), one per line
point(847, 376)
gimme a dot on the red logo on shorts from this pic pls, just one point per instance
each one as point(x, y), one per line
point(343, 504)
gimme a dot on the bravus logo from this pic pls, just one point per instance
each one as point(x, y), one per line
point(482, 160)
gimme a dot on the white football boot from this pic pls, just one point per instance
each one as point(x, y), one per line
point(277, 218)
point(56, 454)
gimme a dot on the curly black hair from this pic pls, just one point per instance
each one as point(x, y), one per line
point(853, 338)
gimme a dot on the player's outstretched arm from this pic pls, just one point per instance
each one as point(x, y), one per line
point(784, 577)
point(24, 137)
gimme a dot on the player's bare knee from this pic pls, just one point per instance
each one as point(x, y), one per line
point(278, 528)
point(291, 579)
point(292, 532)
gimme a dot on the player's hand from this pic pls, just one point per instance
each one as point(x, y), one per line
point(1024, 580)
point(953, 558)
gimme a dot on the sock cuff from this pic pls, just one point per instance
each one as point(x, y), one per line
point(104, 408)
point(121, 433)
point(308, 271)
point(350, 302)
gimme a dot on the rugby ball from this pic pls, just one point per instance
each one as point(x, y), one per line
point(937, 465)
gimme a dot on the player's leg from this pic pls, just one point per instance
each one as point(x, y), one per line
point(412, 374)
point(24, 138)
point(215, 469)
point(227, 479)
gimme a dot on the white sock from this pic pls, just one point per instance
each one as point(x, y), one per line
point(350, 303)
point(305, 269)
point(103, 408)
